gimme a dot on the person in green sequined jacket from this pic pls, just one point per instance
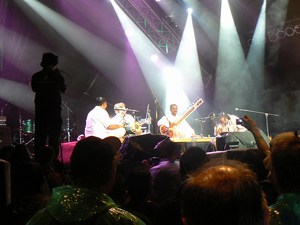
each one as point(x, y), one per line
point(93, 167)
point(285, 174)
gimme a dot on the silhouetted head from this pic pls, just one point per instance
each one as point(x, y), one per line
point(191, 160)
point(49, 59)
point(93, 161)
point(285, 162)
point(168, 149)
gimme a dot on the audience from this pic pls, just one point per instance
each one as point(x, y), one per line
point(93, 166)
point(264, 150)
point(166, 176)
point(285, 174)
point(30, 191)
point(173, 189)
point(191, 160)
point(225, 193)
point(139, 186)
point(46, 159)
point(251, 125)
point(169, 212)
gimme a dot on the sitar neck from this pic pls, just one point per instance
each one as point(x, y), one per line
point(189, 111)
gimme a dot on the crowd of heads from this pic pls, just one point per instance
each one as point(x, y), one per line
point(211, 191)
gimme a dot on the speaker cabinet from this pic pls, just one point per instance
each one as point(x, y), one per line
point(5, 136)
point(234, 140)
point(140, 147)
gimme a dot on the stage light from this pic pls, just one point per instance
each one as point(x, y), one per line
point(154, 58)
point(190, 10)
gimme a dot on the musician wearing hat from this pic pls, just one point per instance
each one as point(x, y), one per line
point(122, 117)
point(48, 85)
point(99, 124)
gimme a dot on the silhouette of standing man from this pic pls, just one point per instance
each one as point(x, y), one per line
point(48, 84)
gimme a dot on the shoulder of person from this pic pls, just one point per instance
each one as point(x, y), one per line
point(118, 216)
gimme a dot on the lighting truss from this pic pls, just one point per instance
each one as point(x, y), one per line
point(156, 28)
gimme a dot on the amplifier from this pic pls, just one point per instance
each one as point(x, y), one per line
point(5, 136)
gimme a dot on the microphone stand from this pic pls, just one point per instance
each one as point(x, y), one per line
point(203, 120)
point(20, 128)
point(68, 121)
point(266, 117)
point(148, 119)
point(158, 106)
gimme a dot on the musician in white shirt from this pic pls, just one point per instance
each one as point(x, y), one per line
point(122, 117)
point(99, 124)
point(169, 121)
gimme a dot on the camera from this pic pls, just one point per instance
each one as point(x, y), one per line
point(239, 121)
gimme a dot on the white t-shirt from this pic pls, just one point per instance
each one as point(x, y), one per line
point(97, 122)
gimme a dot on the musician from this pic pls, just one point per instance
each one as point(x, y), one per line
point(122, 117)
point(227, 123)
point(181, 130)
point(99, 124)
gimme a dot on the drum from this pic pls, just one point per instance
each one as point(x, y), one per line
point(28, 126)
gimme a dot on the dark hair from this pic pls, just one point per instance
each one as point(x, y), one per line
point(223, 114)
point(139, 183)
point(223, 193)
point(191, 160)
point(167, 148)
point(92, 157)
point(285, 158)
point(173, 105)
point(100, 100)
point(45, 155)
point(49, 59)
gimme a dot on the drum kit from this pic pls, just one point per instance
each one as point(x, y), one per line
point(26, 129)
point(28, 126)
point(26, 132)
point(140, 126)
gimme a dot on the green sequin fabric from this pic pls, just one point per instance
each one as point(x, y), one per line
point(286, 210)
point(74, 205)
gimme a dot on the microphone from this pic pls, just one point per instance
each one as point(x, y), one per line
point(124, 109)
point(236, 109)
point(132, 110)
point(87, 94)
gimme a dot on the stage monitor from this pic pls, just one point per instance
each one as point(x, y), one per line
point(238, 140)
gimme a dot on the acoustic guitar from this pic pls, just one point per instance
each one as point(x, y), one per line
point(170, 131)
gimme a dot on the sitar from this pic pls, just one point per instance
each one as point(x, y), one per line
point(170, 131)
